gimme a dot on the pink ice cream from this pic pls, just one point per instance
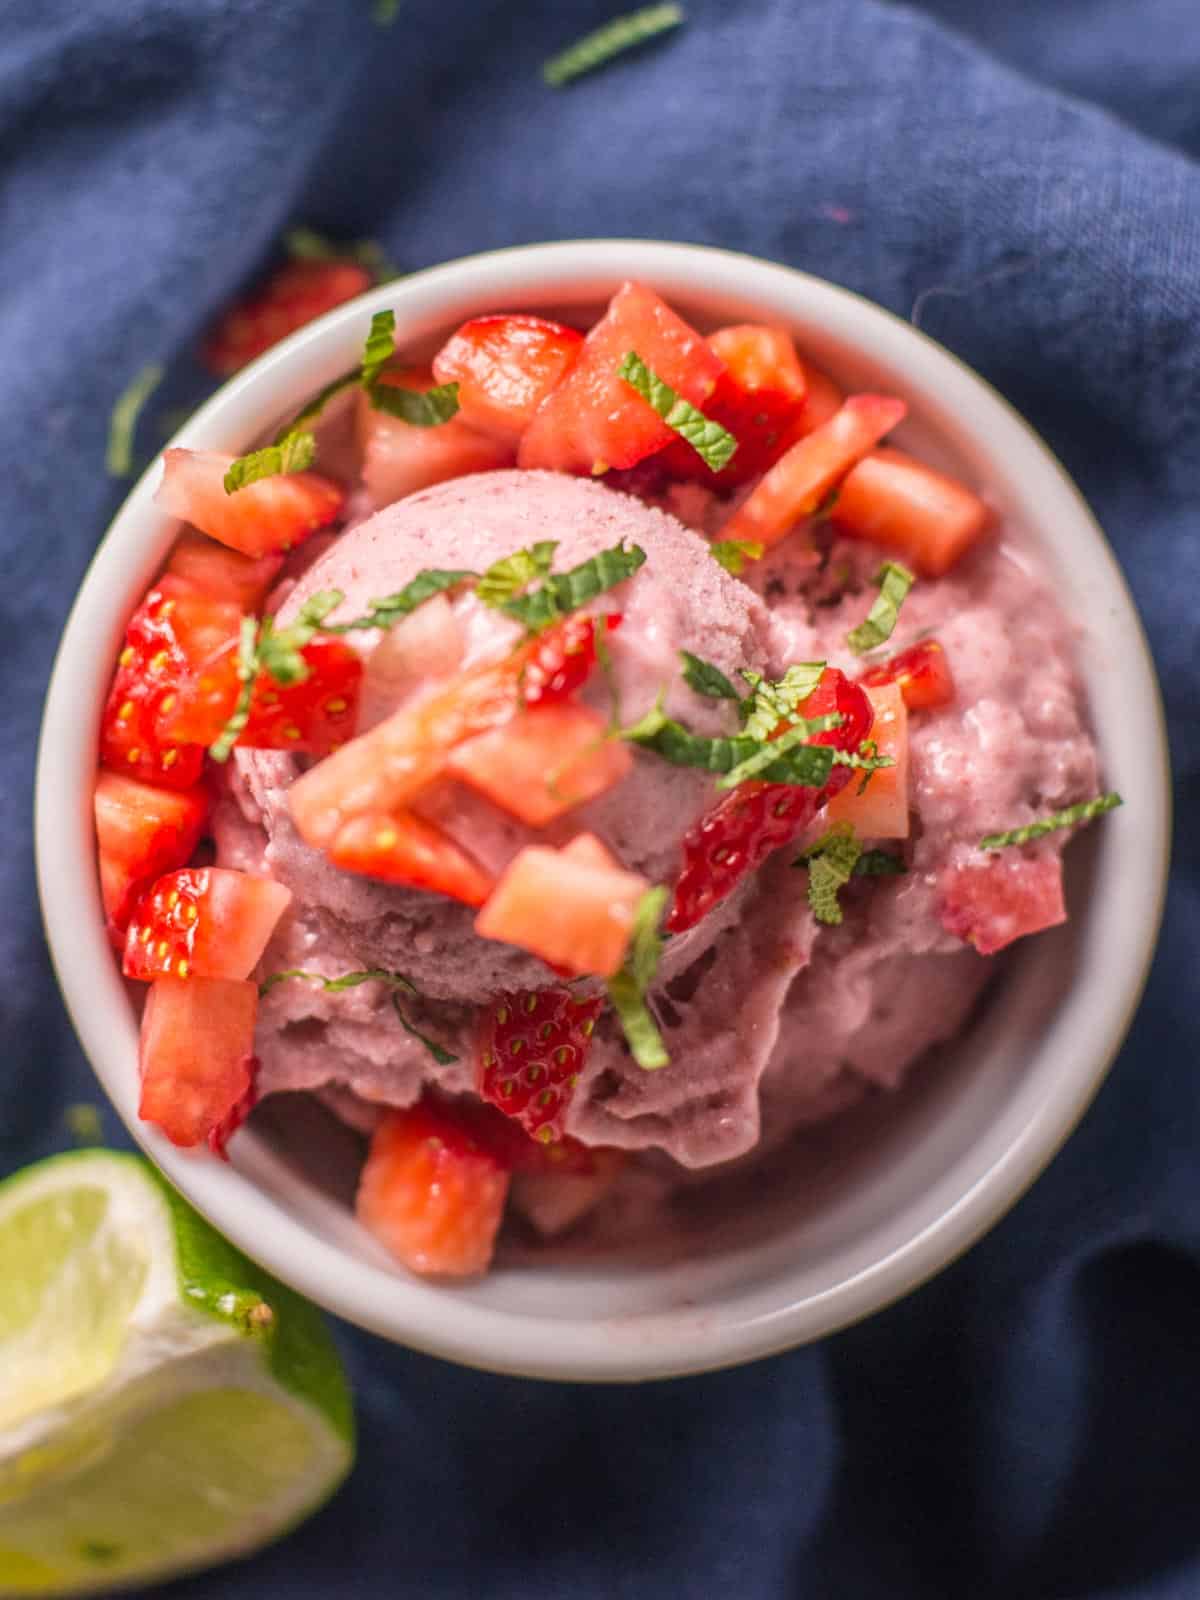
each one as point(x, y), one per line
point(771, 1020)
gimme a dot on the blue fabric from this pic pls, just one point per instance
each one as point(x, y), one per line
point(1024, 1426)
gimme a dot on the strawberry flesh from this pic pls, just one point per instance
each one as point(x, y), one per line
point(293, 296)
point(142, 831)
point(532, 1049)
point(204, 922)
point(405, 849)
point(505, 367)
point(196, 1057)
point(261, 519)
point(922, 673)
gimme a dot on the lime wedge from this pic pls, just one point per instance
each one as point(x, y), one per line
point(164, 1403)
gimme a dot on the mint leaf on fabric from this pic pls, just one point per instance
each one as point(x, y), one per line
point(122, 425)
point(612, 39)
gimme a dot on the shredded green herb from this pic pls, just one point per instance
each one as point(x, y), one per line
point(560, 593)
point(706, 679)
point(386, 610)
point(807, 765)
point(122, 425)
point(894, 583)
point(733, 554)
point(277, 652)
point(879, 864)
point(294, 452)
point(1069, 817)
point(379, 348)
point(714, 444)
point(811, 762)
point(427, 408)
point(831, 863)
point(776, 702)
point(627, 990)
point(596, 49)
point(512, 575)
point(396, 981)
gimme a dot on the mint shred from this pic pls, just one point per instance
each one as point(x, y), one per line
point(599, 47)
point(831, 863)
point(807, 765)
point(386, 610)
point(894, 583)
point(295, 451)
point(714, 444)
point(379, 348)
point(706, 679)
point(313, 410)
point(509, 577)
point(122, 424)
point(627, 989)
point(420, 408)
point(733, 554)
point(560, 593)
point(813, 761)
point(396, 982)
point(247, 671)
point(1069, 817)
point(385, 12)
point(775, 701)
point(879, 864)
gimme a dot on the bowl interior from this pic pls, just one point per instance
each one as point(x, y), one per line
point(874, 1201)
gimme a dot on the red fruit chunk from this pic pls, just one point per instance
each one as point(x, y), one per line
point(431, 1192)
point(173, 629)
point(990, 904)
point(880, 809)
point(142, 831)
point(799, 481)
point(385, 767)
point(196, 1057)
point(505, 367)
point(220, 573)
point(315, 715)
point(268, 516)
point(532, 1049)
point(405, 849)
point(822, 399)
point(293, 296)
point(399, 458)
point(577, 917)
point(922, 672)
point(593, 420)
point(203, 922)
point(893, 500)
point(543, 763)
point(751, 821)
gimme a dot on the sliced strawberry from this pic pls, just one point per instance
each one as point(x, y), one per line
point(142, 831)
point(922, 672)
point(196, 1057)
point(265, 517)
point(505, 367)
point(543, 763)
point(992, 903)
point(799, 481)
point(895, 501)
point(384, 768)
point(593, 420)
point(220, 573)
point(575, 916)
point(315, 716)
point(822, 400)
point(591, 852)
point(431, 1192)
point(532, 1048)
point(203, 922)
point(399, 457)
point(878, 809)
point(751, 821)
point(173, 629)
point(405, 849)
point(293, 296)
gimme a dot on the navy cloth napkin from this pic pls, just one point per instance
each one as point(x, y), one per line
point(1022, 174)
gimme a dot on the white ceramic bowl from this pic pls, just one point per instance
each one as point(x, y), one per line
point(948, 1156)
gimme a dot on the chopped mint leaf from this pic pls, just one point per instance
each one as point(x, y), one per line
point(733, 554)
point(247, 672)
point(388, 609)
point(894, 583)
point(627, 990)
point(862, 761)
point(1069, 817)
point(879, 864)
point(776, 702)
point(122, 425)
point(379, 348)
point(809, 765)
point(813, 760)
point(83, 1122)
point(599, 47)
point(316, 405)
point(706, 679)
point(714, 444)
point(512, 575)
point(563, 592)
point(443, 1057)
point(427, 408)
point(831, 862)
point(385, 12)
point(294, 452)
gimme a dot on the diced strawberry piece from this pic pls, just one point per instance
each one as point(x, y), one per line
point(431, 1193)
point(761, 359)
point(315, 716)
point(203, 922)
point(293, 296)
point(399, 457)
point(405, 849)
point(880, 809)
point(271, 515)
point(593, 420)
point(756, 818)
point(173, 629)
point(426, 645)
point(142, 831)
point(382, 769)
point(588, 850)
point(799, 481)
point(822, 400)
point(532, 1048)
point(991, 903)
point(505, 367)
point(543, 763)
point(922, 672)
point(928, 518)
point(575, 916)
point(196, 1057)
point(221, 573)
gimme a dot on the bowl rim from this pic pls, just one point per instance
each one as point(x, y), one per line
point(431, 1318)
